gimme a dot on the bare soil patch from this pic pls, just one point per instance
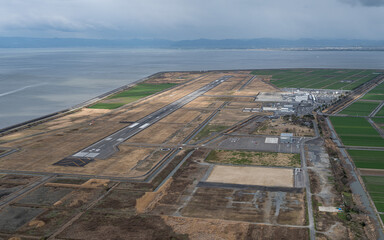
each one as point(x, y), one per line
point(278, 126)
point(254, 206)
point(252, 176)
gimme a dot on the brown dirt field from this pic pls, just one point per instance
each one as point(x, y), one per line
point(228, 117)
point(204, 102)
point(85, 114)
point(122, 163)
point(254, 158)
point(118, 165)
point(207, 229)
point(254, 206)
point(82, 116)
point(252, 176)
point(148, 201)
point(371, 172)
point(278, 126)
point(261, 232)
point(157, 133)
point(103, 226)
point(182, 116)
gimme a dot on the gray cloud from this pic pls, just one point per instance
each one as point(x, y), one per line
point(185, 19)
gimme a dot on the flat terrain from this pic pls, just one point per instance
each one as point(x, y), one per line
point(357, 132)
point(360, 108)
point(375, 186)
point(380, 113)
point(254, 158)
point(264, 176)
point(278, 126)
point(375, 94)
point(317, 78)
point(135, 93)
point(186, 161)
point(367, 159)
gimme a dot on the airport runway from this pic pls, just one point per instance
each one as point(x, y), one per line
point(104, 148)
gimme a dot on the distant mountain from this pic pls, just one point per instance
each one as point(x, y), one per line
point(259, 43)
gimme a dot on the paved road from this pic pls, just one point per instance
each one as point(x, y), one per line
point(378, 129)
point(312, 232)
point(25, 190)
point(376, 110)
point(104, 148)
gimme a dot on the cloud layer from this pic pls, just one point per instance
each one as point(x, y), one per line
point(185, 19)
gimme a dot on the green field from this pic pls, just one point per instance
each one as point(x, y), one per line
point(379, 121)
point(106, 105)
point(375, 94)
point(368, 159)
point(375, 187)
point(355, 131)
point(380, 113)
point(378, 90)
point(360, 108)
point(371, 96)
point(318, 78)
point(135, 93)
point(142, 90)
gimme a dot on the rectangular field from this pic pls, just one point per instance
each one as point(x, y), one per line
point(318, 78)
point(378, 90)
point(276, 177)
point(375, 187)
point(380, 113)
point(356, 132)
point(360, 108)
point(371, 96)
point(135, 93)
point(254, 158)
point(368, 159)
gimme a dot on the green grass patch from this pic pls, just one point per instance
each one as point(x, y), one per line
point(382, 217)
point(378, 120)
point(135, 93)
point(360, 108)
point(375, 187)
point(368, 159)
point(102, 105)
point(254, 158)
point(208, 130)
point(371, 96)
point(356, 132)
point(142, 90)
point(380, 113)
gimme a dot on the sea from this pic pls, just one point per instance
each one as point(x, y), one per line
point(36, 82)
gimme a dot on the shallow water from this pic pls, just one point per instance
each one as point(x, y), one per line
point(35, 82)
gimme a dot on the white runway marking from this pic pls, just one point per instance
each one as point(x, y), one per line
point(133, 125)
point(144, 126)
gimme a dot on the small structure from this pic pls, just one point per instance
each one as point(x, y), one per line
point(286, 138)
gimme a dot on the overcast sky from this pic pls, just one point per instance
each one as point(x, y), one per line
point(193, 19)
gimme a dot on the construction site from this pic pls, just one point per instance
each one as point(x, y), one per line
point(185, 155)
